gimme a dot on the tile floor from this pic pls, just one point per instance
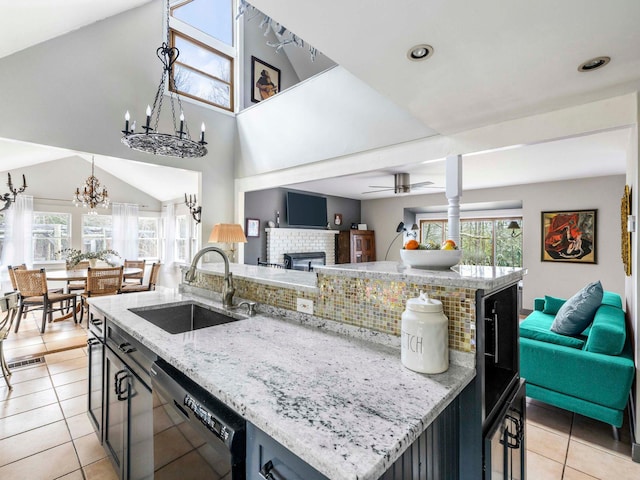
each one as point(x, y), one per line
point(45, 433)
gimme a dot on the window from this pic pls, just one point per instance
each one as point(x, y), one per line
point(183, 230)
point(148, 237)
point(51, 233)
point(96, 233)
point(202, 30)
point(484, 241)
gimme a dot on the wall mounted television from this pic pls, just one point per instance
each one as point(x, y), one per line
point(307, 211)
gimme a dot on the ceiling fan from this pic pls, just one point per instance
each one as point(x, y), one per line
point(401, 184)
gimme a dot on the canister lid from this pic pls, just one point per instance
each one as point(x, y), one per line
point(424, 304)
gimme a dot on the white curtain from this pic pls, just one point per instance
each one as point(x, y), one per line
point(18, 240)
point(169, 233)
point(125, 230)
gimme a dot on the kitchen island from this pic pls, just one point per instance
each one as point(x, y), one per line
point(345, 406)
point(330, 386)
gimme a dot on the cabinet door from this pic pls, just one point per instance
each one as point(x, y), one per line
point(363, 247)
point(266, 458)
point(96, 386)
point(116, 409)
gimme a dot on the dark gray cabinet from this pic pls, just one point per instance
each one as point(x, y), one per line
point(95, 346)
point(120, 404)
point(267, 458)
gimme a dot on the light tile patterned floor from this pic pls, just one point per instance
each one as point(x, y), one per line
point(45, 432)
point(566, 446)
point(44, 429)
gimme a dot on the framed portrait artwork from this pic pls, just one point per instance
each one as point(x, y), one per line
point(253, 227)
point(265, 78)
point(570, 236)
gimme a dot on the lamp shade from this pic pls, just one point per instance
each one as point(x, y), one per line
point(513, 225)
point(227, 233)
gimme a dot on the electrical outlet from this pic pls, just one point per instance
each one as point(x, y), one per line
point(305, 306)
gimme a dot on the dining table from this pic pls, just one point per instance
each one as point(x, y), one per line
point(80, 274)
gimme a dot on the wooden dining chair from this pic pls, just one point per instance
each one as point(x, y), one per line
point(153, 280)
point(32, 285)
point(134, 278)
point(100, 282)
point(14, 285)
point(9, 308)
point(76, 285)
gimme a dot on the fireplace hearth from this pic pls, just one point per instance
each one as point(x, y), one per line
point(304, 260)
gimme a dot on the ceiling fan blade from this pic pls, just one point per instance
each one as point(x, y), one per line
point(376, 191)
point(386, 187)
point(421, 184)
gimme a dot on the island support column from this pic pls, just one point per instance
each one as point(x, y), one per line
point(453, 193)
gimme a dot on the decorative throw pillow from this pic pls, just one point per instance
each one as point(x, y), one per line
point(552, 304)
point(577, 312)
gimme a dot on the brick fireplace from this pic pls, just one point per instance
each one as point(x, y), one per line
point(286, 240)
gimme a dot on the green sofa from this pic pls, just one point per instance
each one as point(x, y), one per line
point(590, 373)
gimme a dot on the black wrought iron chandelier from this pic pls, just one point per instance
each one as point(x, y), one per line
point(13, 192)
point(150, 140)
point(93, 194)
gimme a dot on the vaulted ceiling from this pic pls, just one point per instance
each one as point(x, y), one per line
point(492, 61)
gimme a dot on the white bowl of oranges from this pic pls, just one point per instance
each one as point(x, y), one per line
point(430, 256)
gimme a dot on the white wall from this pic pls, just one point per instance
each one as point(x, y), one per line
point(543, 278)
point(327, 116)
point(72, 92)
point(632, 284)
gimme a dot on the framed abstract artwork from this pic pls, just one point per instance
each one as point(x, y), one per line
point(569, 236)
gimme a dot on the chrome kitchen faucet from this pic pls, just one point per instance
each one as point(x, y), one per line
point(227, 284)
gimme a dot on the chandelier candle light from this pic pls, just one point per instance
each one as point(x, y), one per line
point(151, 141)
point(93, 194)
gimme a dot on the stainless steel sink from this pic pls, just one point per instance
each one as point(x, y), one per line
point(183, 317)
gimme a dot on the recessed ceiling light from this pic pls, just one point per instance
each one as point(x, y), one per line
point(593, 64)
point(420, 52)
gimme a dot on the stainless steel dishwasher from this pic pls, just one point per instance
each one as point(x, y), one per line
point(196, 436)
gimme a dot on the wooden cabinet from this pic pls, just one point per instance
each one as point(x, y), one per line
point(356, 246)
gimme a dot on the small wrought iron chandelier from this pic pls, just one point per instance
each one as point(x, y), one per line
point(93, 194)
point(6, 198)
point(150, 140)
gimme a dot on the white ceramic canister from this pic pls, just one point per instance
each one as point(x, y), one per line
point(425, 336)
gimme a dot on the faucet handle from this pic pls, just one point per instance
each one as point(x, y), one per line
point(251, 307)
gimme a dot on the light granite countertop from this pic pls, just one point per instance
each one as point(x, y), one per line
point(466, 276)
point(278, 277)
point(344, 405)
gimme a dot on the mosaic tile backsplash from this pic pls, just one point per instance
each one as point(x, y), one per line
point(369, 303)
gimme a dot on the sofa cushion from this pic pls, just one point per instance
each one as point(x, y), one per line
point(611, 298)
point(552, 304)
point(608, 331)
point(536, 326)
point(577, 312)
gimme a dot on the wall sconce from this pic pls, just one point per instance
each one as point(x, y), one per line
point(513, 226)
point(6, 198)
point(196, 212)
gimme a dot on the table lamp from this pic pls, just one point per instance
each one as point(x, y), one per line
point(227, 233)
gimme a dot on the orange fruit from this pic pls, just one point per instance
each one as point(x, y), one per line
point(411, 245)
